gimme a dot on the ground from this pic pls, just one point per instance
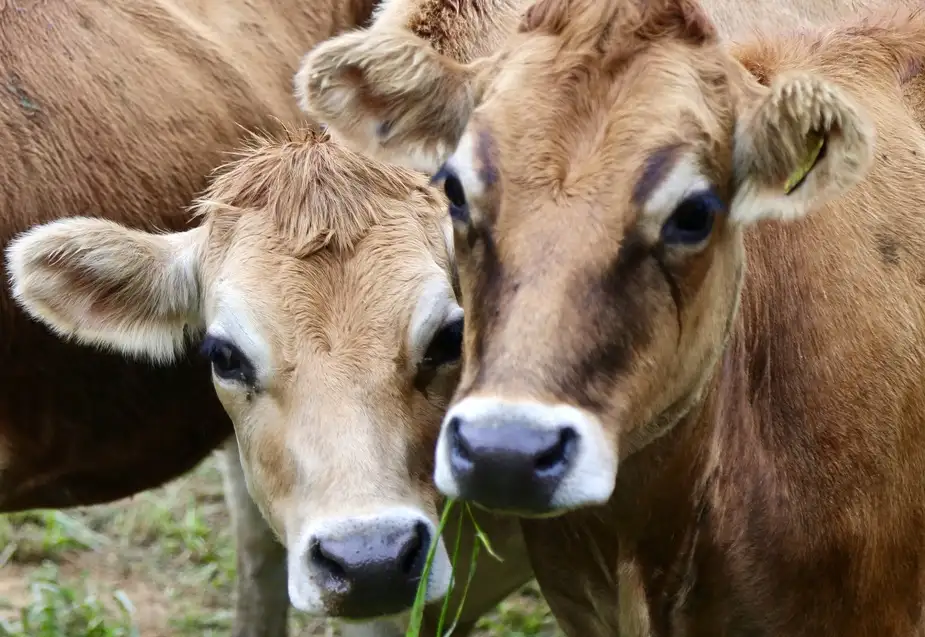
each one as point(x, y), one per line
point(160, 564)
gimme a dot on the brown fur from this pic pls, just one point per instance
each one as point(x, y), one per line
point(120, 111)
point(768, 419)
point(311, 260)
point(272, 210)
point(347, 239)
point(334, 201)
point(383, 93)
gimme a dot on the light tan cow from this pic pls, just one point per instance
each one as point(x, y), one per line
point(693, 279)
point(320, 284)
point(120, 110)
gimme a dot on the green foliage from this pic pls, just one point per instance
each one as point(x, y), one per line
point(173, 549)
point(417, 610)
point(34, 536)
point(56, 610)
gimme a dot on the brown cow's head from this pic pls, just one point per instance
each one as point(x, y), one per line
point(321, 284)
point(600, 168)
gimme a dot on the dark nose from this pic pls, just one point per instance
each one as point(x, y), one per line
point(371, 572)
point(510, 466)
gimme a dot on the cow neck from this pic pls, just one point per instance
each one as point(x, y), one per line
point(672, 495)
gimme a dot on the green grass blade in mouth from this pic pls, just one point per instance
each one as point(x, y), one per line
point(420, 598)
point(446, 600)
point(462, 602)
point(480, 534)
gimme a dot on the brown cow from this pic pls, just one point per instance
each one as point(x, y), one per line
point(607, 171)
point(392, 120)
point(321, 285)
point(119, 110)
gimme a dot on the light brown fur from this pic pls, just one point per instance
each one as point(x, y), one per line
point(763, 388)
point(386, 95)
point(119, 110)
point(312, 262)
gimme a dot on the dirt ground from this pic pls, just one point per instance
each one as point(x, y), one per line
point(160, 564)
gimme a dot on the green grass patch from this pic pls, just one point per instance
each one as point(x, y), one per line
point(55, 609)
point(162, 564)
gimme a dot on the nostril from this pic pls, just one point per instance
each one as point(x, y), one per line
point(555, 457)
point(410, 557)
point(460, 448)
point(324, 560)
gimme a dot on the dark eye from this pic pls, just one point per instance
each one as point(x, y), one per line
point(453, 190)
point(692, 220)
point(228, 362)
point(446, 346)
point(455, 194)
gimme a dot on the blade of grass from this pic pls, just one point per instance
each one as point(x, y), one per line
point(7, 553)
point(78, 531)
point(473, 564)
point(480, 534)
point(462, 602)
point(417, 610)
point(420, 598)
point(446, 600)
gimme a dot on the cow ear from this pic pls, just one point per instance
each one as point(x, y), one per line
point(805, 143)
point(388, 94)
point(106, 285)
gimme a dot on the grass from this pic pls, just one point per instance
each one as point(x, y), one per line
point(160, 564)
point(54, 610)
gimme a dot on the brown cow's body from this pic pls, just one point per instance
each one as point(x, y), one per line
point(769, 426)
point(793, 503)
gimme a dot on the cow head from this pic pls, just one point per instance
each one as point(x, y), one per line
point(319, 286)
point(601, 167)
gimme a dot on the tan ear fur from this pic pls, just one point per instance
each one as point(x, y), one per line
point(403, 90)
point(387, 94)
point(781, 170)
point(110, 286)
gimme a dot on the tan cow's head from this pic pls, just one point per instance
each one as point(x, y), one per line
point(320, 283)
point(601, 169)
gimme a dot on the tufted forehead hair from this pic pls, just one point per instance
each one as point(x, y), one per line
point(585, 72)
point(615, 29)
point(317, 193)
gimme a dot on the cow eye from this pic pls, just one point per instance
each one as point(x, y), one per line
point(446, 345)
point(228, 363)
point(455, 194)
point(453, 190)
point(692, 221)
